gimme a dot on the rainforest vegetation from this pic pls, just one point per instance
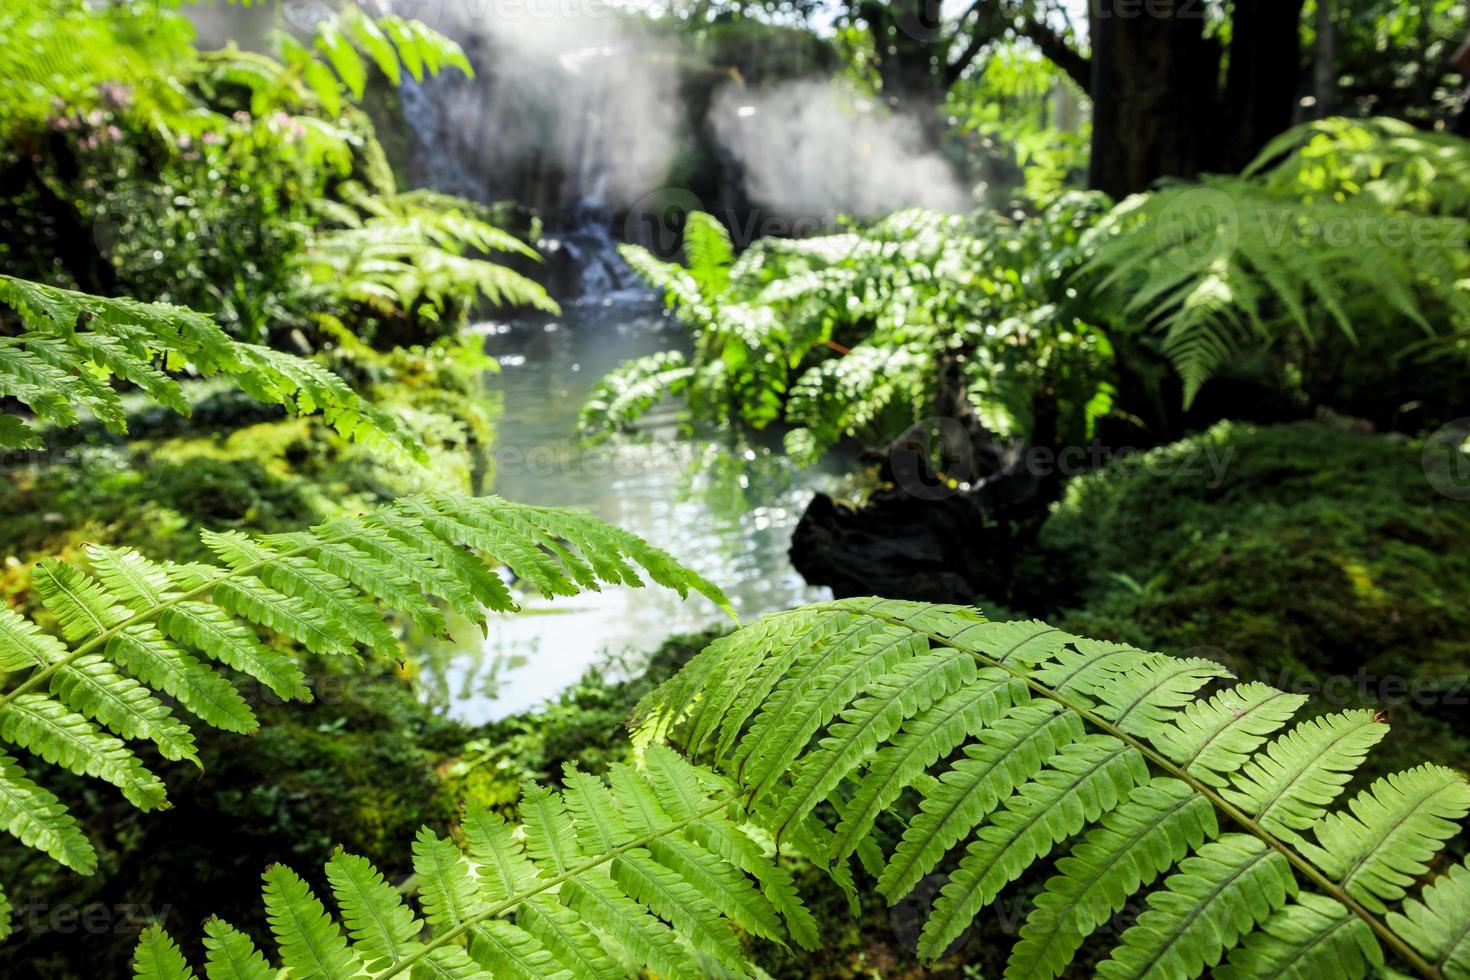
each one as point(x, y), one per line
point(734, 488)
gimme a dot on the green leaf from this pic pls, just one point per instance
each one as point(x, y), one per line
point(312, 946)
point(158, 958)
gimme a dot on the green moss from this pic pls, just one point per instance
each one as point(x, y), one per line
point(1319, 560)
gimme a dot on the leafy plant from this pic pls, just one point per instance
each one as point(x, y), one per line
point(399, 253)
point(656, 861)
point(1356, 227)
point(1015, 740)
point(115, 174)
point(73, 344)
point(131, 629)
point(331, 67)
point(860, 335)
point(827, 716)
point(1382, 160)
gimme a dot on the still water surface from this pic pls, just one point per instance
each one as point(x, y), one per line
point(660, 486)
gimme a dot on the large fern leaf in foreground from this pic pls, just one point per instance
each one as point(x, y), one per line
point(1120, 769)
point(1123, 772)
point(129, 631)
point(74, 344)
point(600, 881)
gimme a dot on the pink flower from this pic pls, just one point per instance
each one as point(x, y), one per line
point(116, 93)
point(213, 139)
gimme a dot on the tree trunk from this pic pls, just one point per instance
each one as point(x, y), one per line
point(911, 47)
point(1324, 66)
point(1155, 93)
point(1261, 88)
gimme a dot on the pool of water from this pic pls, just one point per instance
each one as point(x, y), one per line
point(670, 490)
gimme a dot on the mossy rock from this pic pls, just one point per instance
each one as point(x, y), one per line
point(1316, 559)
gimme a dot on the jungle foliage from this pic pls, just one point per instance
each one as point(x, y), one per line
point(816, 722)
point(1030, 324)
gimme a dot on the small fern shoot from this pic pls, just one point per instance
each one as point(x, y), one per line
point(1120, 770)
point(130, 630)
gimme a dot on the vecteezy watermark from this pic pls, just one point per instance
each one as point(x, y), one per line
point(470, 12)
point(94, 919)
point(1376, 690)
point(307, 15)
point(657, 221)
point(1201, 225)
point(907, 916)
point(140, 13)
point(936, 459)
point(1363, 688)
point(922, 21)
point(1153, 9)
point(1197, 227)
point(1446, 459)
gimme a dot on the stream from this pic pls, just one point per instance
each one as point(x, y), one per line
point(659, 485)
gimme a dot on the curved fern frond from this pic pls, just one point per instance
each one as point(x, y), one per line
point(627, 393)
point(599, 881)
point(681, 290)
point(1125, 765)
point(74, 343)
point(130, 630)
point(333, 64)
point(1225, 263)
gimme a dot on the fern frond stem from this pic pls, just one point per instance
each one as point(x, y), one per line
point(147, 615)
point(444, 938)
point(1319, 879)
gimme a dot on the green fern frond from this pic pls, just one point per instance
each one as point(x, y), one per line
point(681, 290)
point(1226, 264)
point(1103, 755)
point(230, 955)
point(1118, 766)
point(599, 881)
point(131, 630)
point(630, 391)
point(158, 958)
point(1436, 923)
point(74, 343)
point(709, 252)
point(333, 64)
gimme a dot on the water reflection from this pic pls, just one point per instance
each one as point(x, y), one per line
point(726, 511)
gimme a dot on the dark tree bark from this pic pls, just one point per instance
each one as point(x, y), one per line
point(911, 45)
point(1154, 89)
point(1324, 60)
point(1261, 86)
